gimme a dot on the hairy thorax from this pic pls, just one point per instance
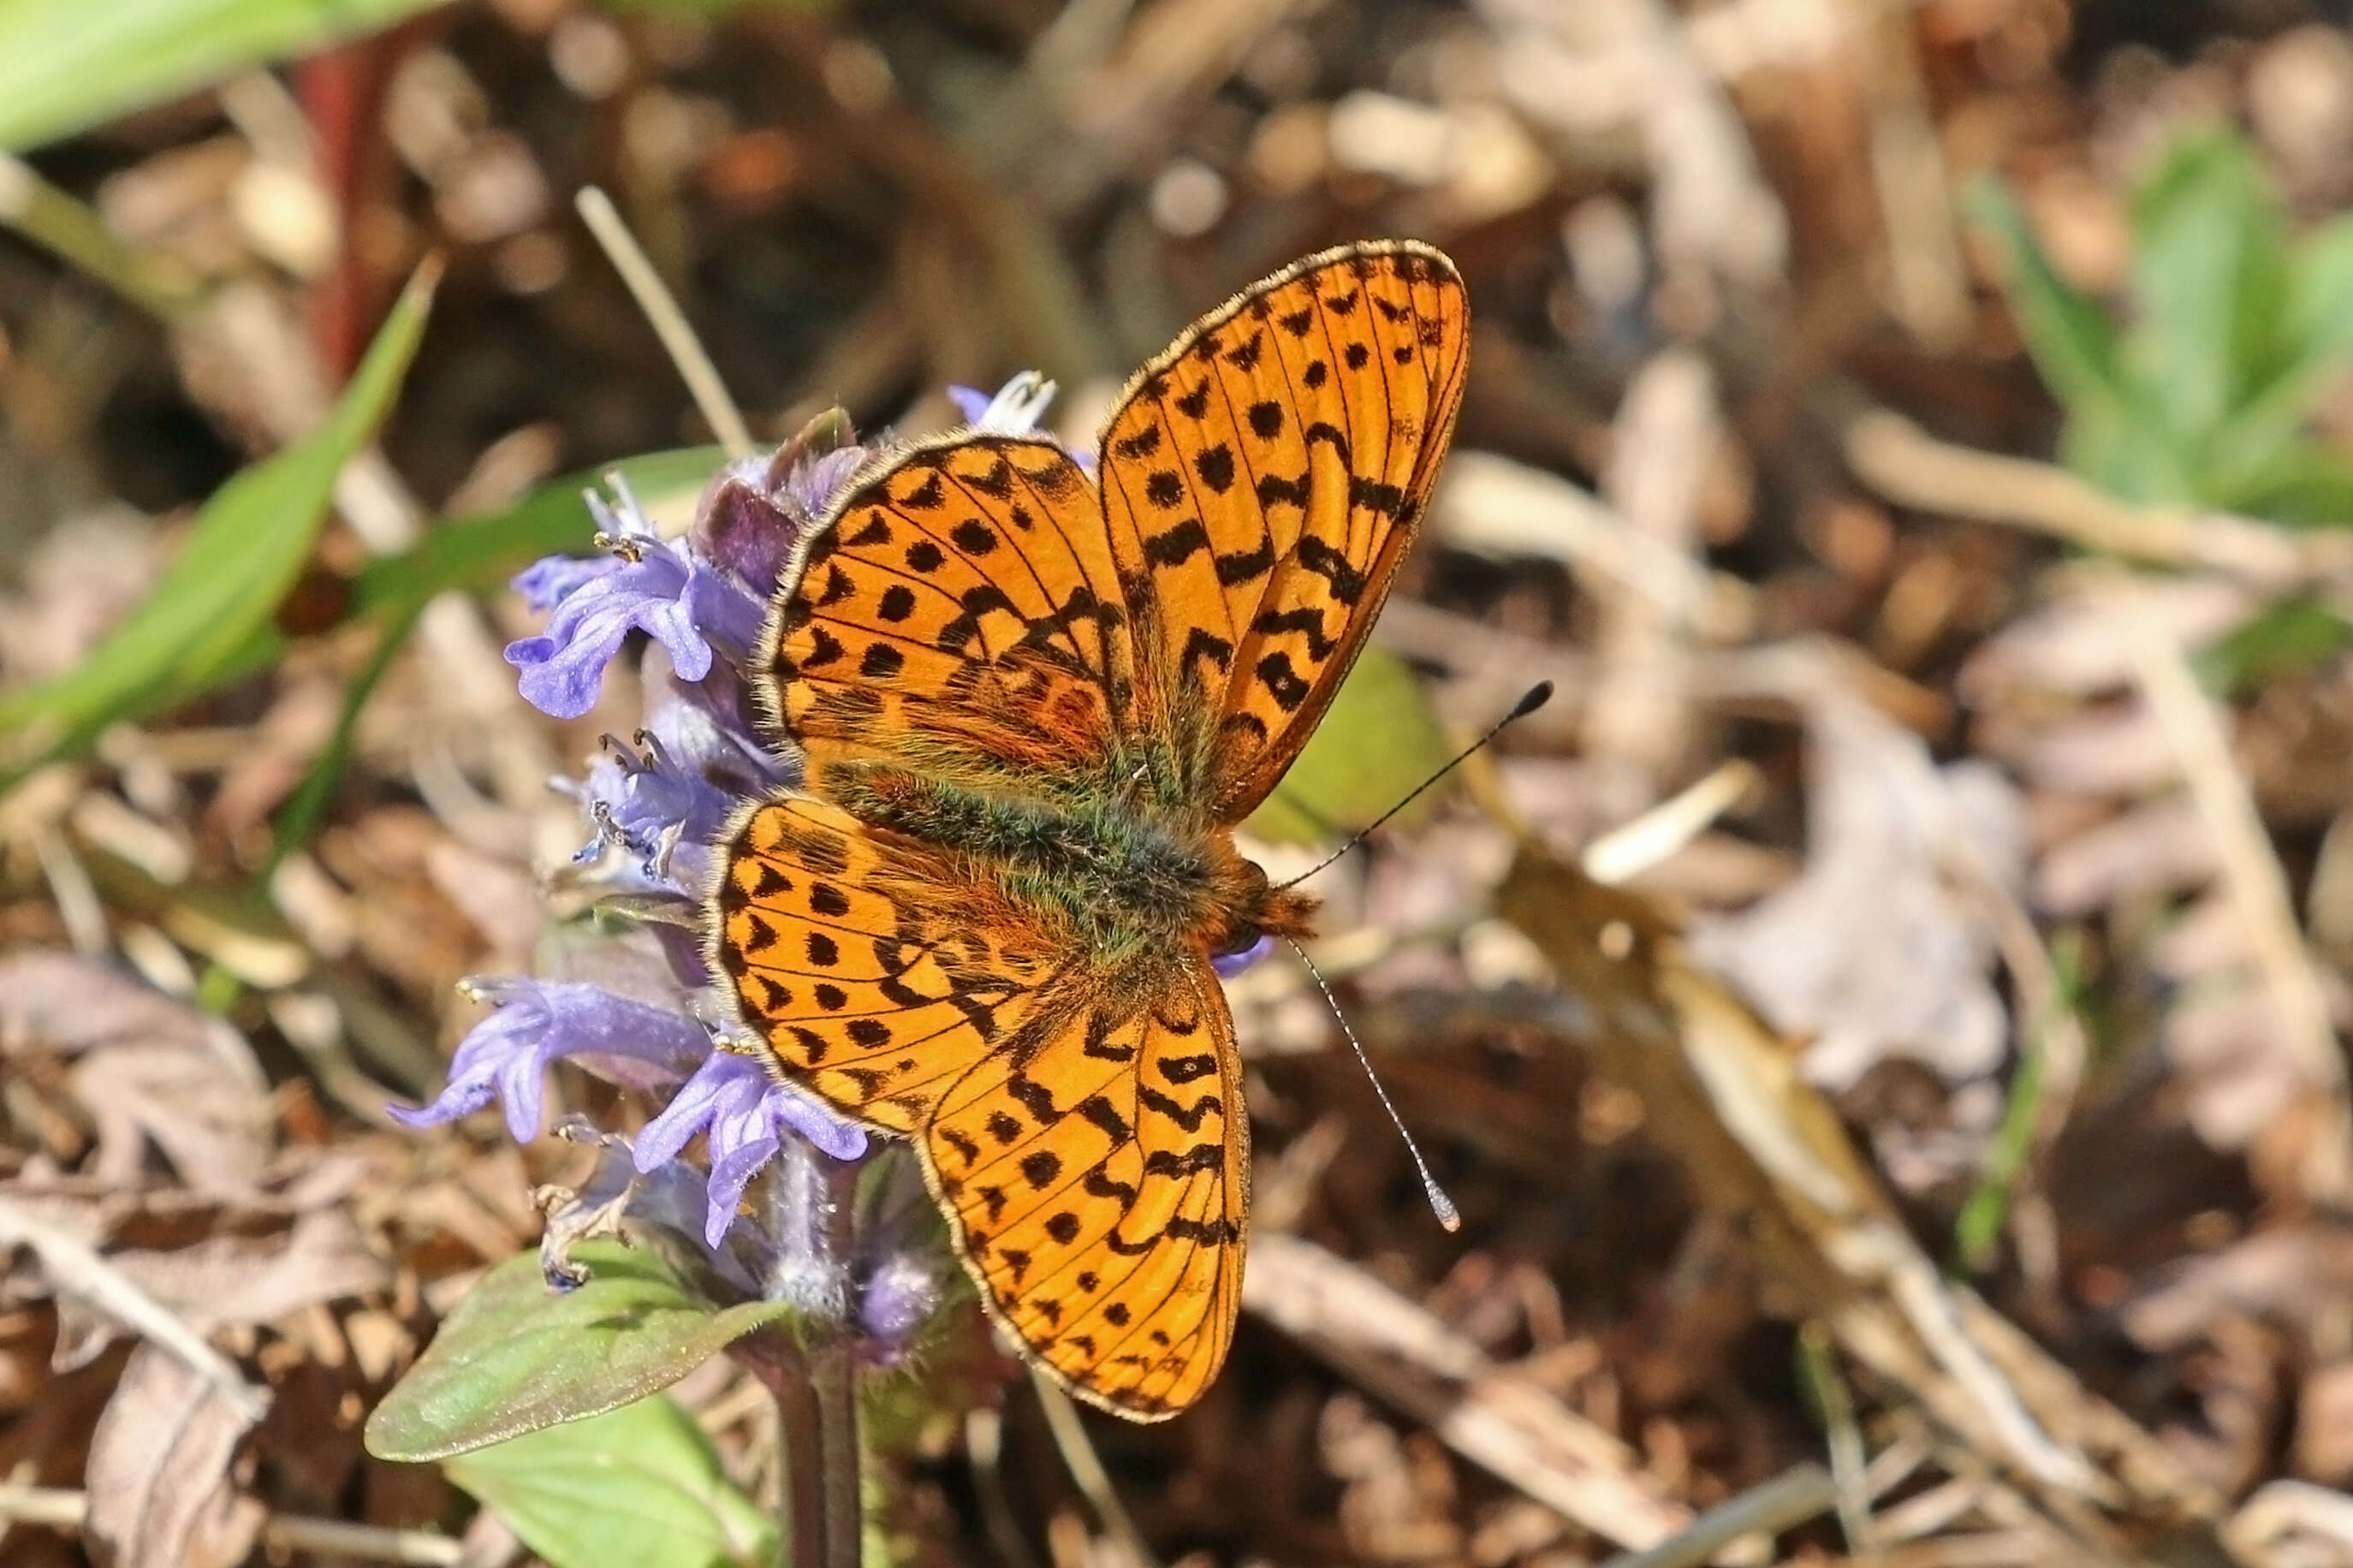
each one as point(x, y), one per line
point(1132, 879)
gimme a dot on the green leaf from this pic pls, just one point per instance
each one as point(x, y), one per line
point(2316, 340)
point(2303, 485)
point(2210, 284)
point(1379, 742)
point(66, 65)
point(637, 1485)
point(2291, 636)
point(2068, 336)
point(518, 1357)
point(209, 618)
point(477, 554)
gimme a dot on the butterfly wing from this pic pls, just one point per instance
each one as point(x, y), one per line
point(834, 943)
point(962, 592)
point(1098, 1179)
point(1262, 478)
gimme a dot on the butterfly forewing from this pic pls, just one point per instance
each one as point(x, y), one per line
point(962, 589)
point(1099, 1186)
point(1262, 478)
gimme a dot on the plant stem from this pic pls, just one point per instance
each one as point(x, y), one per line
point(833, 1377)
point(776, 1362)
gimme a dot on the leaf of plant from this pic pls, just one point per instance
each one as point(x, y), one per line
point(2068, 336)
point(2210, 282)
point(517, 1357)
point(479, 555)
point(2303, 485)
point(1378, 742)
point(243, 551)
point(637, 1485)
point(473, 554)
point(2314, 333)
point(67, 65)
point(2291, 636)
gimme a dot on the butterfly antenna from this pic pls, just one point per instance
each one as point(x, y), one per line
point(1536, 697)
point(1439, 1204)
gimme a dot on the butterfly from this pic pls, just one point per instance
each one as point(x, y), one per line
point(1032, 704)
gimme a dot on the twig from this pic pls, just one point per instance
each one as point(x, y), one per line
point(1636, 721)
point(1086, 1467)
point(1632, 847)
point(1906, 466)
point(1842, 1438)
point(983, 1445)
point(79, 909)
point(2250, 876)
point(669, 323)
point(1796, 1495)
point(74, 234)
point(76, 1269)
point(1397, 1350)
point(60, 1508)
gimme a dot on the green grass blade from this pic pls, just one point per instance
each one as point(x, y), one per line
point(205, 620)
point(67, 65)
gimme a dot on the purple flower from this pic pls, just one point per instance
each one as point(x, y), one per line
point(667, 800)
point(745, 1111)
point(655, 586)
point(753, 513)
point(539, 1023)
point(1014, 409)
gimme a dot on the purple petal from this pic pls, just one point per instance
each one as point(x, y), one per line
point(549, 580)
point(539, 1023)
point(734, 1101)
point(971, 401)
point(664, 1138)
point(804, 1115)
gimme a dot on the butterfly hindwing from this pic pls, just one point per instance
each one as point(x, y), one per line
point(1098, 1178)
point(1262, 478)
point(863, 999)
point(961, 591)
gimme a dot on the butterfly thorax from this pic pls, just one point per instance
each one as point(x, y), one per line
point(1106, 861)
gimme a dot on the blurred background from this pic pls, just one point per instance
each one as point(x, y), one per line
point(1915, 434)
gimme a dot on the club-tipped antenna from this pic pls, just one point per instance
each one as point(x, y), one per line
point(1536, 697)
point(1439, 1204)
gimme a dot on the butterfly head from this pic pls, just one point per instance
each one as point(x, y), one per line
point(1248, 907)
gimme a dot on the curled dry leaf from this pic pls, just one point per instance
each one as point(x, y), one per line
point(1883, 946)
point(159, 1476)
point(150, 1070)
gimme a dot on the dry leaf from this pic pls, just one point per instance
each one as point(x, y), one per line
point(159, 1490)
point(151, 1070)
point(1882, 947)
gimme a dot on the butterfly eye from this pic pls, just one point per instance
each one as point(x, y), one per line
point(1242, 938)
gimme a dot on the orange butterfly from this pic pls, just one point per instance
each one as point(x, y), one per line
point(1033, 707)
